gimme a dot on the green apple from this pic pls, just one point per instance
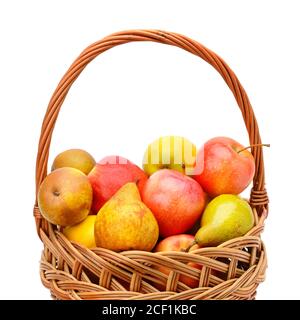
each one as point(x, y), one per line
point(170, 152)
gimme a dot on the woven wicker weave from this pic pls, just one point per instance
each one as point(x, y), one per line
point(232, 270)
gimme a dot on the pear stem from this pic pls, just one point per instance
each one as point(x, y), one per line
point(255, 145)
point(189, 247)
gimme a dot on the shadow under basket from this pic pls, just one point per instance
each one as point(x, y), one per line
point(233, 270)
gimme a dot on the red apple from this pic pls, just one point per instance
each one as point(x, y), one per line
point(109, 175)
point(177, 243)
point(176, 200)
point(221, 169)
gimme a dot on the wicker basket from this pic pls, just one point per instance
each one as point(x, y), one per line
point(232, 270)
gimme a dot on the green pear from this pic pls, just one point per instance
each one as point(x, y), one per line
point(225, 217)
point(125, 223)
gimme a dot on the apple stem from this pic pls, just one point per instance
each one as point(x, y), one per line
point(255, 145)
point(189, 247)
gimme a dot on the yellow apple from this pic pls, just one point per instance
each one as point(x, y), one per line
point(170, 152)
point(83, 232)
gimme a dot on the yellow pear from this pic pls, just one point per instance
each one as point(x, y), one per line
point(128, 193)
point(125, 223)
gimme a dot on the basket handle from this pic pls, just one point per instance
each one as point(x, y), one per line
point(258, 196)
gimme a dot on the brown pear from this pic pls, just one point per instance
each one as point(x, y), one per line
point(74, 158)
point(65, 197)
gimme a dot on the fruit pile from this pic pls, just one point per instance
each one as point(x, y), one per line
point(183, 198)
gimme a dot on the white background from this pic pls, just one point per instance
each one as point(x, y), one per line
point(135, 93)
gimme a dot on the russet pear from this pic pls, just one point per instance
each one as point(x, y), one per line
point(65, 197)
point(74, 158)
